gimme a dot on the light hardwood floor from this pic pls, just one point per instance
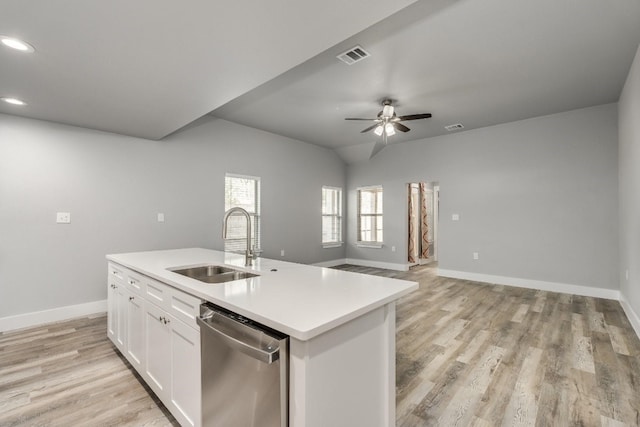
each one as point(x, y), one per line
point(69, 374)
point(473, 354)
point(468, 354)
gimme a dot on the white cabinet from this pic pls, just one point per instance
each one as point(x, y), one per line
point(158, 349)
point(173, 364)
point(154, 327)
point(135, 330)
point(185, 371)
point(117, 315)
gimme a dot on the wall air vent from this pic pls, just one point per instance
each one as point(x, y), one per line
point(454, 127)
point(353, 55)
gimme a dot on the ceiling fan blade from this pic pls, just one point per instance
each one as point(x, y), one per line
point(401, 127)
point(369, 128)
point(357, 118)
point(380, 144)
point(414, 117)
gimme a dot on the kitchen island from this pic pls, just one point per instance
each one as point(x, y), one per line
point(341, 327)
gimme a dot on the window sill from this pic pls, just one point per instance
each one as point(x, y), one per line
point(370, 245)
point(331, 245)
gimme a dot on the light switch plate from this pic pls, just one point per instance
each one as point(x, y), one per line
point(63, 217)
point(455, 217)
point(475, 255)
point(160, 217)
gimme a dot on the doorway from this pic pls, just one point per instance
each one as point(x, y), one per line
point(423, 206)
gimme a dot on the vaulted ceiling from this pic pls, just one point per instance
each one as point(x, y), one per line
point(147, 68)
point(475, 62)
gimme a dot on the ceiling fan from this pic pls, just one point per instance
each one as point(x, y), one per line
point(387, 123)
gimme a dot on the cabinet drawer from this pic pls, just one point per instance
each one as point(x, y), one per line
point(157, 293)
point(183, 306)
point(116, 273)
point(135, 283)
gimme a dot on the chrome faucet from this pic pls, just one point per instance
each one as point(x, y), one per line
point(227, 214)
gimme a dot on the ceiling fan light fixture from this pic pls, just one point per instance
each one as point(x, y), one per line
point(387, 111)
point(378, 130)
point(389, 129)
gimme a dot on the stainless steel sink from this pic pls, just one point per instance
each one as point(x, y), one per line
point(213, 273)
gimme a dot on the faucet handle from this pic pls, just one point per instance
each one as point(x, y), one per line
point(255, 253)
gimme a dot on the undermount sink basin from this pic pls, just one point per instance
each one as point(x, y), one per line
point(214, 273)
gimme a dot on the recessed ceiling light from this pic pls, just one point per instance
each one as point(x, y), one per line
point(14, 101)
point(16, 44)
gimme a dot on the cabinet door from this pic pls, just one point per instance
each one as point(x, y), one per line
point(185, 372)
point(135, 331)
point(158, 350)
point(112, 311)
point(117, 329)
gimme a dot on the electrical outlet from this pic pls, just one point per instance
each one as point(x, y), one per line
point(63, 217)
point(281, 252)
point(475, 255)
point(393, 248)
point(455, 217)
point(160, 217)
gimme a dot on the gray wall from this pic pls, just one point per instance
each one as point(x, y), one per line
point(115, 185)
point(629, 172)
point(537, 198)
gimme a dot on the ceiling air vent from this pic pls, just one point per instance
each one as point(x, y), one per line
point(454, 127)
point(353, 55)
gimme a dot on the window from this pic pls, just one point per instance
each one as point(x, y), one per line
point(244, 192)
point(331, 217)
point(370, 216)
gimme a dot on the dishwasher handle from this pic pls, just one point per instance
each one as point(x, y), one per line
point(236, 335)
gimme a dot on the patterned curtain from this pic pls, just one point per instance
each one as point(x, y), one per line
point(424, 222)
point(413, 251)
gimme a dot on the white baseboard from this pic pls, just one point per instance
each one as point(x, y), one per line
point(36, 318)
point(378, 264)
point(364, 263)
point(631, 315)
point(586, 291)
point(331, 263)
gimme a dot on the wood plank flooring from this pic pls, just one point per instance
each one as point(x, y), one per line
point(473, 354)
point(468, 354)
point(69, 374)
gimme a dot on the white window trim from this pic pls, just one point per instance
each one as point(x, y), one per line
point(256, 215)
point(332, 245)
point(329, 245)
point(369, 245)
point(362, 243)
point(237, 175)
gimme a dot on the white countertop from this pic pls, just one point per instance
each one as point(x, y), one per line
point(299, 300)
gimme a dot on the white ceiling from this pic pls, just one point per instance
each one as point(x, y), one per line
point(148, 67)
point(476, 62)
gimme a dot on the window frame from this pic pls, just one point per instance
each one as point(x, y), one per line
point(379, 218)
point(256, 229)
point(338, 215)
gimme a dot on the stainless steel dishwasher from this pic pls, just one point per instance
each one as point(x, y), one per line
point(244, 371)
